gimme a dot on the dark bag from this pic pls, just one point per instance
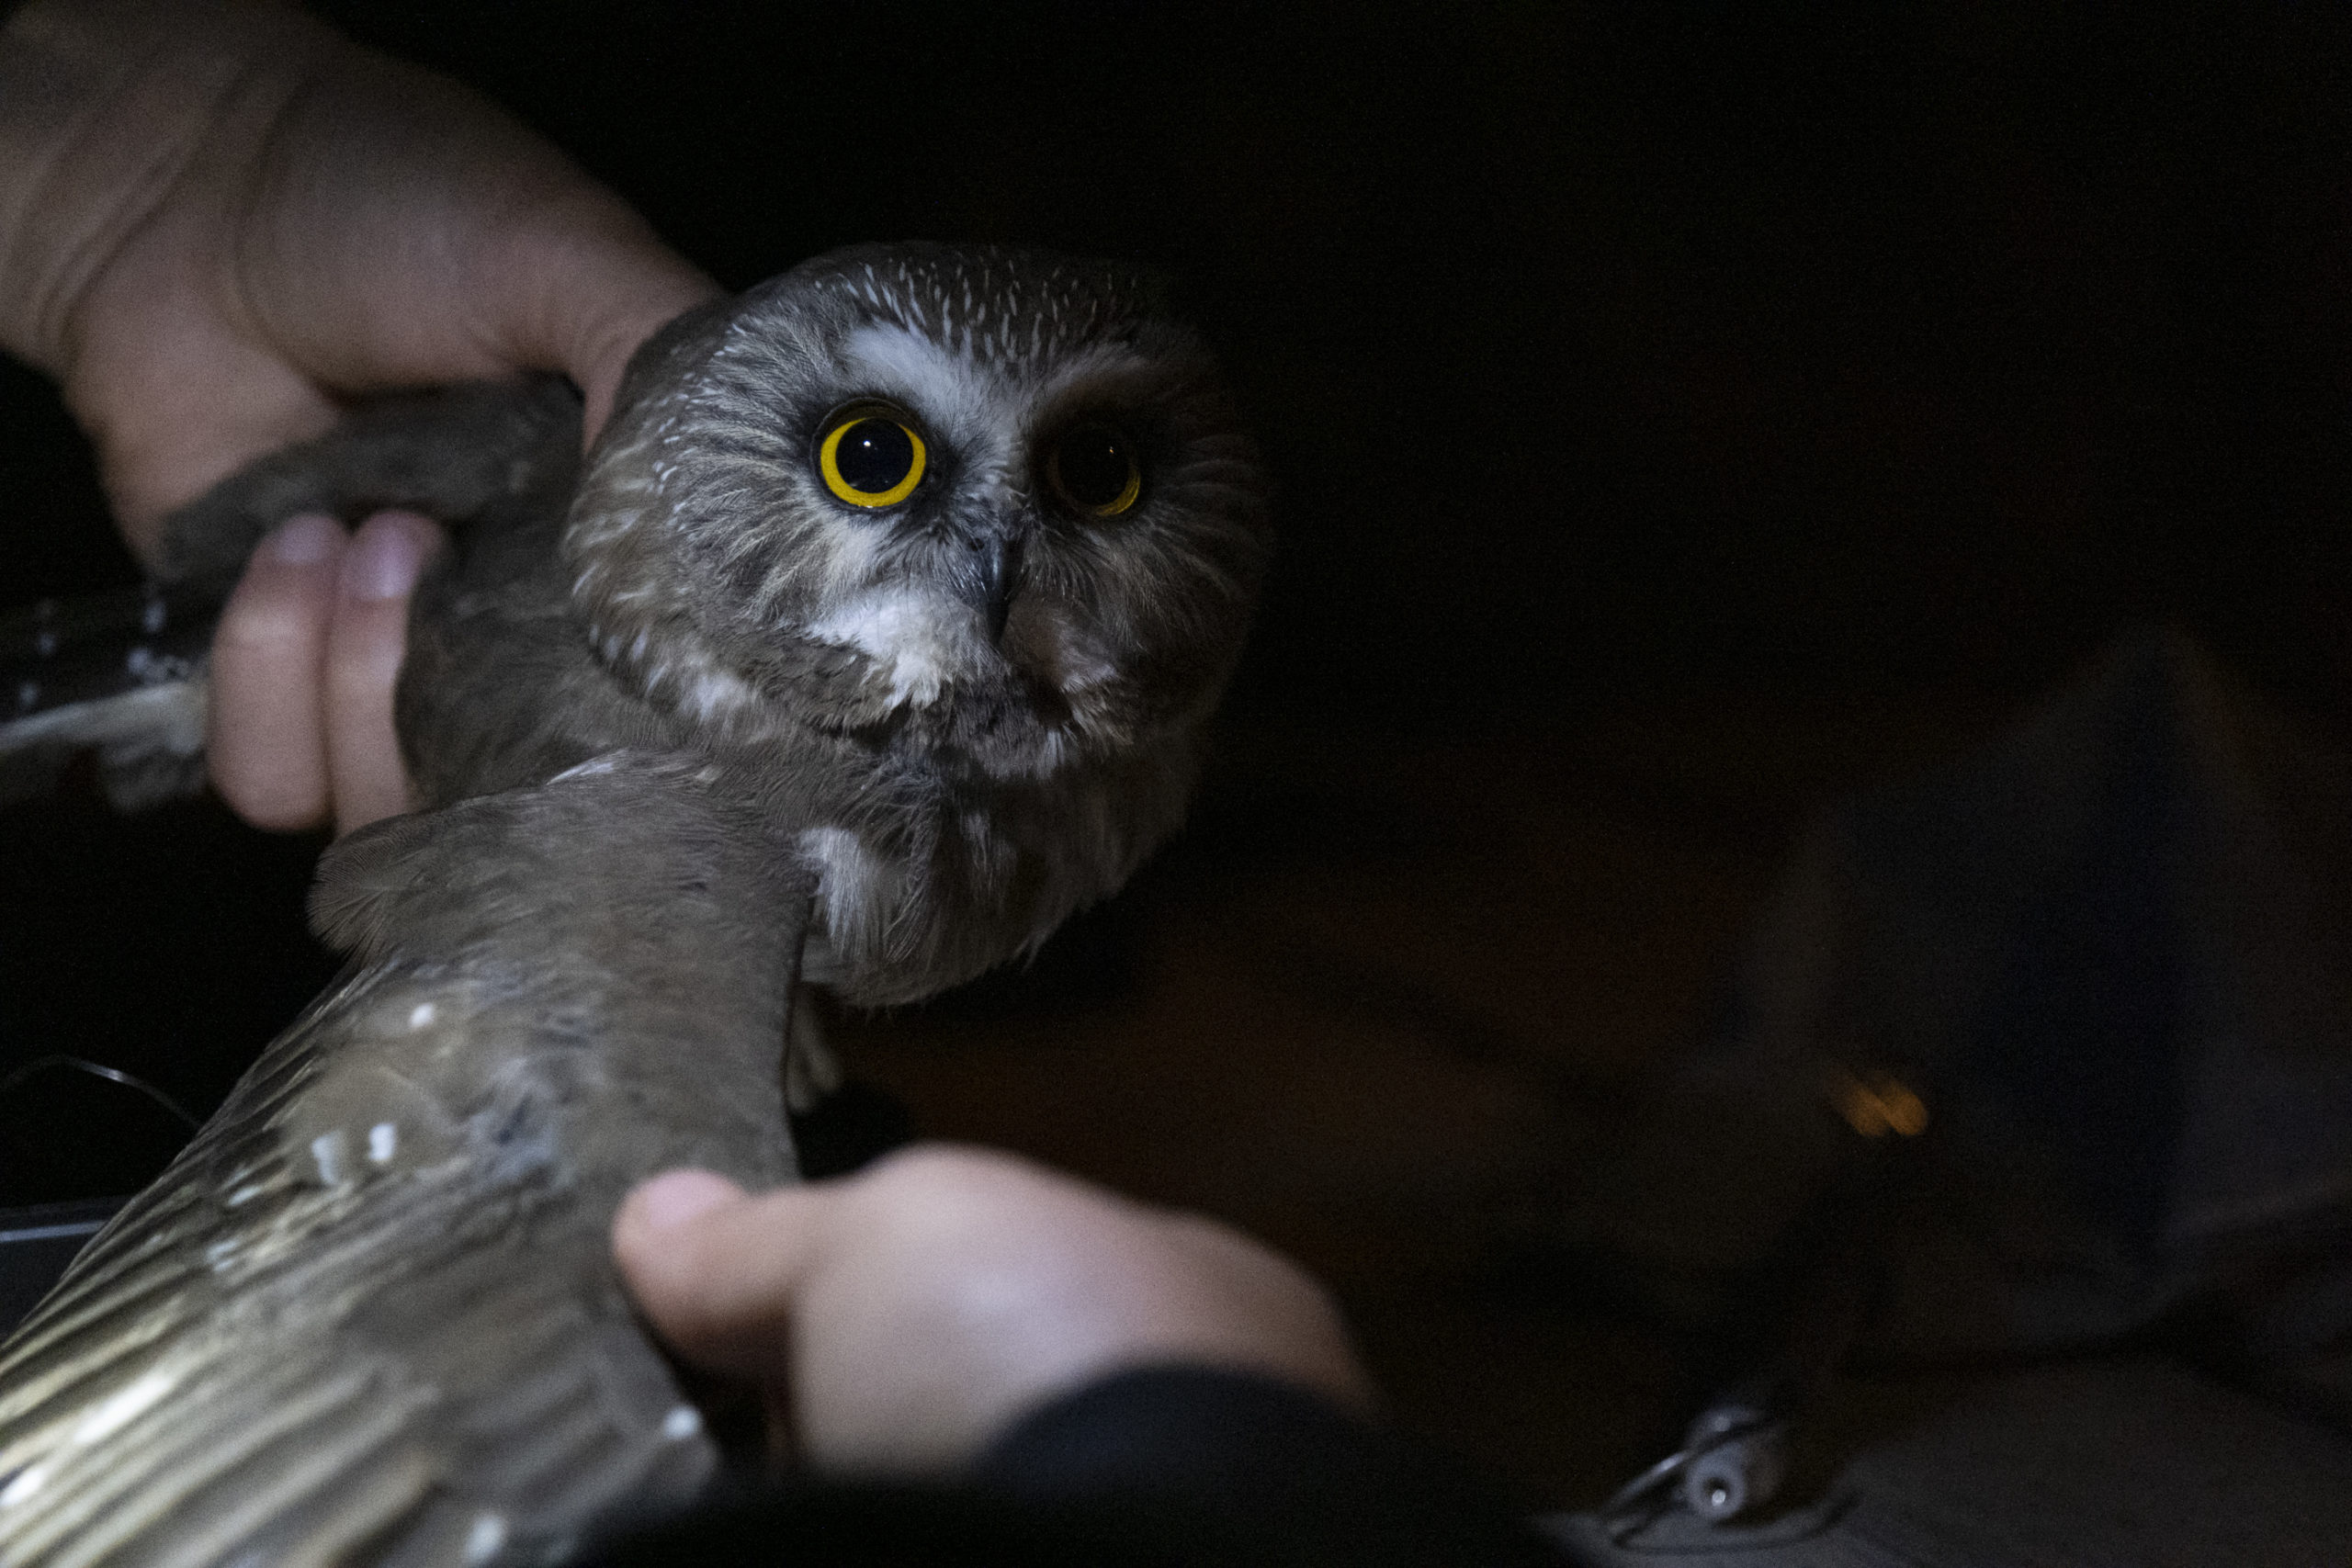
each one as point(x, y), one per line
point(2045, 1055)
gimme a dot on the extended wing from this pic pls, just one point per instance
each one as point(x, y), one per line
point(370, 1314)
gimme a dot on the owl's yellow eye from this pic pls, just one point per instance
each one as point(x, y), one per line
point(1094, 468)
point(871, 459)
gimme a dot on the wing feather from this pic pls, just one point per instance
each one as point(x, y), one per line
point(369, 1314)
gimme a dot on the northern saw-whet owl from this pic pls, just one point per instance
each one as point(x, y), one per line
point(876, 634)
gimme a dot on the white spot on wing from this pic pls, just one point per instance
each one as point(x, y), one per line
point(487, 1536)
point(120, 1409)
point(716, 692)
point(28, 1482)
point(683, 1422)
point(421, 1015)
point(383, 1141)
point(328, 1151)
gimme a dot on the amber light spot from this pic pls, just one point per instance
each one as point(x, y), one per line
point(1878, 1104)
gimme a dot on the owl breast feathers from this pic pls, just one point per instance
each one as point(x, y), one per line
point(948, 552)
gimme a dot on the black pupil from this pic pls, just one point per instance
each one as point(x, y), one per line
point(874, 455)
point(1093, 466)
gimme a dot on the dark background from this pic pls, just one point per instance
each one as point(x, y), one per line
point(1658, 346)
point(1664, 345)
point(1659, 353)
point(1854, 368)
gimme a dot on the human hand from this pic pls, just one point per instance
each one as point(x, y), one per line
point(303, 665)
point(904, 1316)
point(217, 220)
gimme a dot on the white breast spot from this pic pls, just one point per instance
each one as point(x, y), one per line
point(853, 886)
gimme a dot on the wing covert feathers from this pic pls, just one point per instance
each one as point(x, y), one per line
point(120, 673)
point(368, 1315)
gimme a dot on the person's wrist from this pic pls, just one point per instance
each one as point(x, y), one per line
point(106, 106)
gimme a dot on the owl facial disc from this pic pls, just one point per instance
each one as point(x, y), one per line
point(987, 503)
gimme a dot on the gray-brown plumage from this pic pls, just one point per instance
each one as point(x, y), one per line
point(877, 636)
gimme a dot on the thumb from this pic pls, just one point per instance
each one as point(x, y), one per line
point(717, 1272)
point(634, 297)
point(580, 294)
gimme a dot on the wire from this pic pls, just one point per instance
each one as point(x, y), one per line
point(97, 1069)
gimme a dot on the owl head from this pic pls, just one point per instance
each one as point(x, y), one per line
point(987, 503)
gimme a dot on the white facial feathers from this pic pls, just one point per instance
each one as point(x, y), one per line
point(990, 408)
point(920, 640)
point(984, 610)
point(917, 637)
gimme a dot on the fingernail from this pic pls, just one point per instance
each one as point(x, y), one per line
point(305, 540)
point(673, 1197)
point(384, 560)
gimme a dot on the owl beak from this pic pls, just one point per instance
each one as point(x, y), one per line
point(994, 578)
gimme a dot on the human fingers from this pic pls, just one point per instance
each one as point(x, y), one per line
point(1032, 1281)
point(581, 296)
point(174, 403)
point(914, 1311)
point(333, 222)
point(176, 398)
point(717, 1272)
point(367, 639)
point(266, 739)
point(404, 230)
